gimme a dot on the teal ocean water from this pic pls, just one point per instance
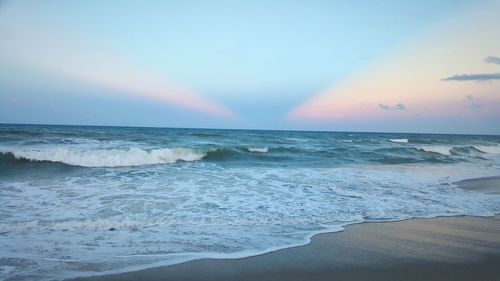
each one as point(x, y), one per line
point(82, 200)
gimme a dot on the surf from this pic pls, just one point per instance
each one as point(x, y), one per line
point(107, 157)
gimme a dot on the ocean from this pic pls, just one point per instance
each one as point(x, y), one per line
point(84, 200)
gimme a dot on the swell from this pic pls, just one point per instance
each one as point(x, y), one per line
point(21, 133)
point(205, 134)
point(138, 157)
point(9, 158)
point(238, 153)
point(222, 154)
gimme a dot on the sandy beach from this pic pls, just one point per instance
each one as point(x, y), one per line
point(444, 248)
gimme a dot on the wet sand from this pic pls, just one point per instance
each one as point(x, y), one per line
point(488, 185)
point(445, 248)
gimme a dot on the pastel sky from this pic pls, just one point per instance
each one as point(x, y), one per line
point(392, 66)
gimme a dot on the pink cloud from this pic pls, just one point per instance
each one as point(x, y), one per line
point(53, 50)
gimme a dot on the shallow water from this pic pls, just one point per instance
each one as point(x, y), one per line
point(91, 200)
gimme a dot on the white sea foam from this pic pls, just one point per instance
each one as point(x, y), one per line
point(439, 149)
point(133, 218)
point(72, 225)
point(399, 140)
point(258, 149)
point(189, 211)
point(110, 157)
point(490, 149)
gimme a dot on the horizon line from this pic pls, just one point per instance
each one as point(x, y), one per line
point(248, 129)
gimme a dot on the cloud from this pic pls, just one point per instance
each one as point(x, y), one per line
point(492, 59)
point(473, 102)
point(81, 59)
point(384, 106)
point(398, 106)
point(475, 105)
point(479, 76)
point(473, 77)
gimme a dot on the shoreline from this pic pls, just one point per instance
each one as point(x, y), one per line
point(444, 248)
point(441, 248)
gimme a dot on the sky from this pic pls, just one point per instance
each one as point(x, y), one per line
point(385, 66)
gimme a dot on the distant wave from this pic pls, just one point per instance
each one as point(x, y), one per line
point(202, 134)
point(438, 149)
point(258, 149)
point(20, 132)
point(399, 140)
point(449, 150)
point(110, 157)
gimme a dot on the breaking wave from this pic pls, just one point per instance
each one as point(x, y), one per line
point(438, 149)
point(258, 149)
point(399, 140)
point(109, 157)
point(490, 149)
point(449, 150)
point(121, 157)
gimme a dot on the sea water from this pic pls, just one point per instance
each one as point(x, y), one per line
point(82, 200)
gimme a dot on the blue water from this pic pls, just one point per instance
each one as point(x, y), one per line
point(81, 200)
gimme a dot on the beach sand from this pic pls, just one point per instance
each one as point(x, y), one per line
point(445, 248)
point(488, 185)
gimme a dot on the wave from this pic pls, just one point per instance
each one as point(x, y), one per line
point(9, 158)
point(221, 154)
point(110, 157)
point(121, 157)
point(201, 134)
point(437, 149)
point(399, 140)
point(95, 158)
point(449, 150)
point(465, 150)
point(21, 132)
point(490, 149)
point(258, 149)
